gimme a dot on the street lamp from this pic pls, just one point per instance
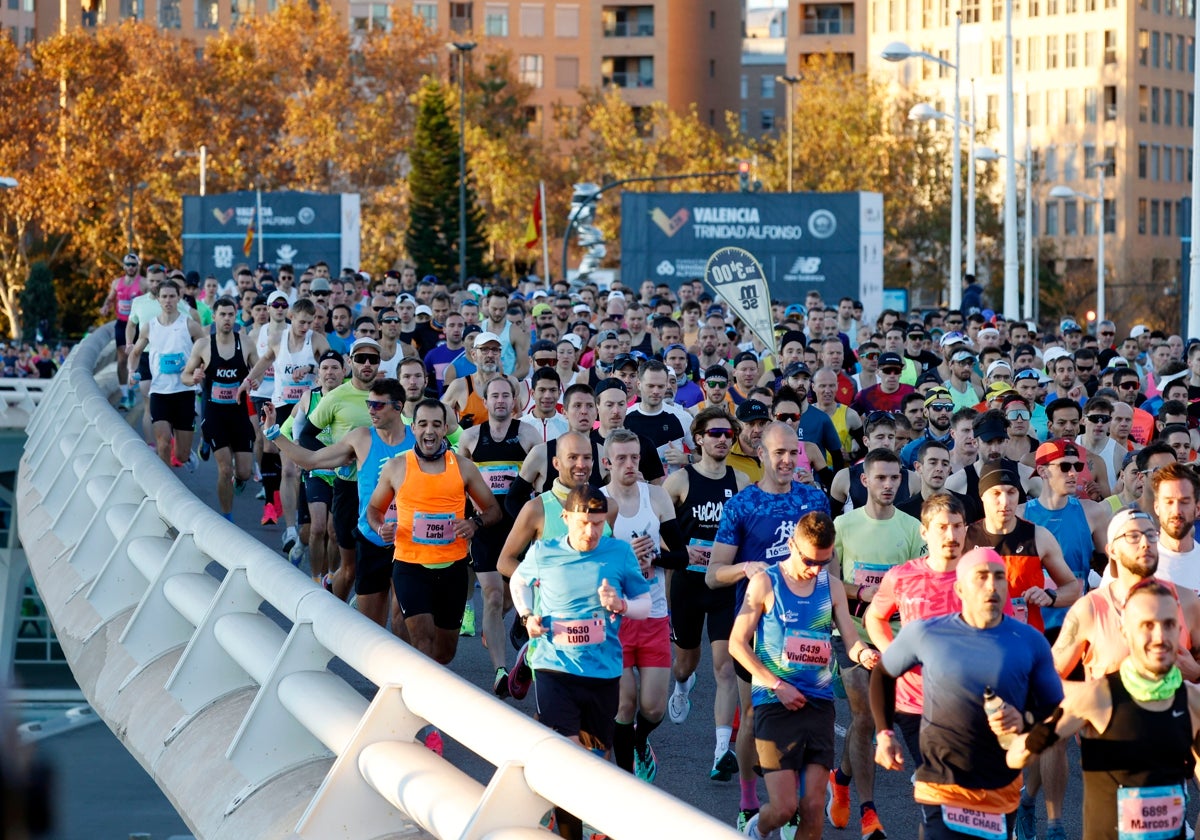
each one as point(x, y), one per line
point(1066, 192)
point(988, 154)
point(7, 183)
point(895, 52)
point(203, 155)
point(462, 48)
point(791, 82)
point(925, 112)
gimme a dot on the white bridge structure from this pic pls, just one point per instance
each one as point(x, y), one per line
point(209, 656)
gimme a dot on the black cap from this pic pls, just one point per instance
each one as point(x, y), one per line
point(716, 371)
point(993, 428)
point(995, 474)
point(624, 360)
point(890, 360)
point(331, 354)
point(541, 345)
point(792, 336)
point(260, 300)
point(612, 382)
point(752, 410)
point(581, 322)
point(797, 369)
point(192, 278)
point(928, 376)
point(744, 356)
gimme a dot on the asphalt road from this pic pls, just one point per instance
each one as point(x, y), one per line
point(684, 752)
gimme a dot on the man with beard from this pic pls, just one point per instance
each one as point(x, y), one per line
point(699, 493)
point(540, 468)
point(932, 468)
point(429, 486)
point(612, 406)
point(464, 395)
point(1138, 725)
point(846, 422)
point(870, 540)
point(939, 408)
point(755, 533)
point(122, 292)
point(497, 448)
point(1174, 487)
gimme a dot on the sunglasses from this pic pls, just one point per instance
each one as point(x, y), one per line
point(954, 323)
point(719, 433)
point(1082, 369)
point(787, 416)
point(157, 268)
point(811, 562)
point(1128, 386)
point(1099, 419)
point(717, 383)
point(870, 355)
point(876, 416)
point(320, 294)
point(380, 308)
point(389, 320)
point(279, 305)
point(380, 405)
point(941, 406)
point(365, 359)
point(1064, 467)
point(546, 361)
point(1018, 414)
point(891, 371)
point(131, 265)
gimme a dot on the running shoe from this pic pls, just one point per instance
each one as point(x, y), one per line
point(192, 463)
point(269, 515)
point(239, 487)
point(788, 830)
point(433, 741)
point(838, 808)
point(289, 539)
point(1055, 832)
point(467, 628)
point(724, 767)
point(680, 702)
point(261, 495)
point(1026, 827)
point(327, 583)
point(520, 677)
point(872, 828)
point(298, 554)
point(745, 816)
point(645, 764)
point(500, 684)
point(205, 450)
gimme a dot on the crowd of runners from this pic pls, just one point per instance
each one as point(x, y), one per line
point(978, 531)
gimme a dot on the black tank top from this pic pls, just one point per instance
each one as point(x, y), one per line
point(499, 460)
point(224, 373)
point(1140, 748)
point(597, 479)
point(700, 513)
point(858, 490)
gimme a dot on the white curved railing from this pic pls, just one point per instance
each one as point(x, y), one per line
point(241, 722)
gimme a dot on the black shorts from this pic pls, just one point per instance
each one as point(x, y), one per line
point(571, 704)
point(178, 409)
point(144, 368)
point(692, 603)
point(936, 829)
point(344, 512)
point(317, 490)
point(908, 725)
point(372, 567)
point(227, 427)
point(421, 590)
point(787, 740)
point(258, 403)
point(1077, 673)
point(120, 333)
point(302, 517)
point(485, 548)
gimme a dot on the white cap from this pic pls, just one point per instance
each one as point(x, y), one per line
point(423, 310)
point(616, 295)
point(277, 295)
point(475, 289)
point(1138, 331)
point(581, 308)
point(996, 365)
point(483, 338)
point(574, 340)
point(1054, 354)
point(365, 344)
point(991, 332)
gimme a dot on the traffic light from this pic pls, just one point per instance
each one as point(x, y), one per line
point(744, 175)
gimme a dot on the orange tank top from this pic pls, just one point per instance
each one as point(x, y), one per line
point(475, 408)
point(1106, 649)
point(426, 506)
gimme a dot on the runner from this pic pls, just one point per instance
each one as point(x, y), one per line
point(543, 416)
point(464, 395)
point(262, 391)
point(963, 780)
point(783, 637)
point(122, 293)
point(699, 493)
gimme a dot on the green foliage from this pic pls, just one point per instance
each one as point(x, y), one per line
point(39, 304)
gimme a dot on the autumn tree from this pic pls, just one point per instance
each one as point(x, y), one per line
point(39, 305)
point(432, 238)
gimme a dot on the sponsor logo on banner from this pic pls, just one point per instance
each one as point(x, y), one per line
point(736, 277)
point(822, 224)
point(805, 269)
point(306, 215)
point(223, 216)
point(286, 253)
point(665, 269)
point(669, 225)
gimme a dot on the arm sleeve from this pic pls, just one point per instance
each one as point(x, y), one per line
point(308, 435)
point(825, 476)
point(675, 556)
point(519, 492)
point(652, 468)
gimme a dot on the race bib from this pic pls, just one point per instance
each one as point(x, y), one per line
point(1020, 610)
point(225, 394)
point(171, 363)
point(1150, 813)
point(499, 476)
point(124, 307)
point(869, 574)
point(699, 553)
point(806, 651)
point(293, 393)
point(439, 371)
point(974, 823)
point(433, 528)
point(577, 633)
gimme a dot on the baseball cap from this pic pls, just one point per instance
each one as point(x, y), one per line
point(1121, 520)
point(751, 410)
point(582, 323)
point(487, 338)
point(797, 369)
point(989, 332)
point(1068, 326)
point(277, 295)
point(991, 428)
point(581, 309)
point(331, 354)
point(716, 372)
point(365, 344)
point(994, 474)
point(1138, 331)
point(624, 360)
point(320, 284)
point(131, 260)
point(795, 309)
point(1054, 354)
point(610, 383)
point(996, 365)
point(423, 310)
point(890, 360)
point(606, 335)
point(541, 309)
point(1052, 450)
point(428, 280)
point(541, 346)
point(953, 337)
point(572, 339)
point(744, 356)
point(262, 266)
point(937, 395)
point(962, 356)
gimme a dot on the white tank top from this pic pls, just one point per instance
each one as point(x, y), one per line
point(644, 523)
point(266, 388)
point(389, 368)
point(169, 348)
point(287, 390)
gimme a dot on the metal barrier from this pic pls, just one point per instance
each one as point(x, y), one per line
point(240, 721)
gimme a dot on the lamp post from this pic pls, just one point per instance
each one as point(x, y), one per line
point(985, 153)
point(1011, 296)
point(791, 82)
point(898, 51)
point(462, 48)
point(1062, 191)
point(202, 154)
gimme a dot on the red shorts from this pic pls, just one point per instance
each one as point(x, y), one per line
point(646, 642)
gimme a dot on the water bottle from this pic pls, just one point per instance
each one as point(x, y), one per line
point(992, 703)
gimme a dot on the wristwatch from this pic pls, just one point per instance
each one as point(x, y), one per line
point(525, 618)
point(477, 519)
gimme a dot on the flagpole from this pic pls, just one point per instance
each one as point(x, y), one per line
point(545, 239)
point(258, 218)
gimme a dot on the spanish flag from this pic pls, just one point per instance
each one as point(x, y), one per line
point(533, 231)
point(248, 244)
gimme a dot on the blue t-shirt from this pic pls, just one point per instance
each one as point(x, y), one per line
point(582, 638)
point(1070, 527)
point(761, 523)
point(818, 428)
point(958, 663)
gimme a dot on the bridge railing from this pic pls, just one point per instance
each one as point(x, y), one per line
point(210, 657)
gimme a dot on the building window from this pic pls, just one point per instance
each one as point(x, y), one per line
point(134, 9)
point(1110, 103)
point(1051, 52)
point(1110, 44)
point(1141, 215)
point(1166, 107)
point(766, 84)
point(993, 111)
point(1034, 105)
point(927, 14)
point(1155, 115)
point(566, 72)
point(530, 70)
point(1072, 51)
point(1089, 161)
point(970, 11)
point(1052, 218)
point(712, 68)
point(745, 86)
point(1070, 106)
point(566, 21)
point(743, 121)
point(495, 21)
point(462, 18)
point(997, 56)
point(1166, 216)
point(533, 20)
point(1089, 49)
point(1143, 103)
point(1110, 214)
point(1143, 47)
point(1110, 160)
point(1069, 173)
point(1016, 53)
point(1050, 163)
point(1155, 49)
point(1179, 107)
point(944, 68)
point(1179, 168)
point(1168, 172)
point(1179, 51)
point(1143, 159)
point(1071, 217)
point(767, 122)
point(628, 21)
point(628, 71)
point(1155, 161)
point(208, 14)
point(1168, 52)
point(1033, 8)
point(1035, 53)
point(427, 12)
point(1089, 220)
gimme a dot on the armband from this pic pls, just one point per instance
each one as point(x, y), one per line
point(273, 432)
point(1044, 734)
point(1052, 594)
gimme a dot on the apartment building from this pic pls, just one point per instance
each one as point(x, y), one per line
point(1098, 81)
point(675, 51)
point(194, 20)
point(18, 20)
point(763, 98)
point(827, 27)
